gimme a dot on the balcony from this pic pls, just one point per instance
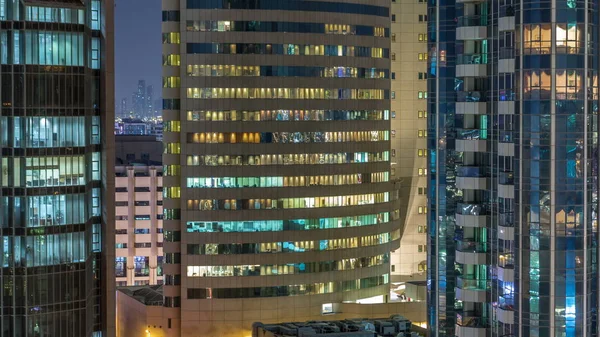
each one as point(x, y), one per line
point(506, 191)
point(471, 134)
point(506, 232)
point(467, 145)
point(471, 209)
point(506, 229)
point(471, 27)
point(505, 310)
point(470, 282)
point(471, 215)
point(462, 331)
point(506, 23)
point(470, 323)
point(471, 183)
point(506, 269)
point(471, 171)
point(471, 252)
point(472, 290)
point(471, 65)
point(471, 108)
point(506, 273)
point(474, 221)
point(471, 177)
point(471, 96)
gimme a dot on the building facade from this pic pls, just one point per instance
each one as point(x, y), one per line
point(138, 225)
point(57, 189)
point(409, 133)
point(513, 168)
point(277, 160)
point(139, 211)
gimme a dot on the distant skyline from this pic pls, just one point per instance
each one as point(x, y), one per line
point(137, 46)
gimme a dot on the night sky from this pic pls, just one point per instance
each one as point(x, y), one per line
point(137, 47)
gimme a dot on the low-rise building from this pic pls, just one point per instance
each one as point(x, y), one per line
point(140, 313)
point(396, 325)
point(139, 211)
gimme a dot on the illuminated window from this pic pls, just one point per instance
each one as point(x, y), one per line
point(172, 148)
point(285, 93)
point(172, 192)
point(172, 38)
point(286, 115)
point(172, 126)
point(171, 82)
point(172, 60)
point(172, 170)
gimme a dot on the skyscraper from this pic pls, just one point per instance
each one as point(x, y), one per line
point(124, 111)
point(150, 101)
point(513, 165)
point(56, 200)
point(141, 99)
point(277, 192)
point(409, 134)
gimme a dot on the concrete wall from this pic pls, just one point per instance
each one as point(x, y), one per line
point(134, 318)
point(235, 319)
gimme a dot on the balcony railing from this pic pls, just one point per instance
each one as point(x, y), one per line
point(506, 178)
point(471, 319)
point(471, 209)
point(471, 134)
point(471, 171)
point(470, 96)
point(472, 21)
point(506, 53)
point(471, 59)
point(470, 246)
point(506, 220)
point(506, 303)
point(469, 282)
point(506, 261)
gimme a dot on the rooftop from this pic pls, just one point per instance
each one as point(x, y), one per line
point(148, 295)
point(395, 326)
point(55, 3)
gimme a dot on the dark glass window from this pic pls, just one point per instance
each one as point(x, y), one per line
point(170, 16)
point(292, 5)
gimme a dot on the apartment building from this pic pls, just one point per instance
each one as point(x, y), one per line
point(139, 212)
point(513, 168)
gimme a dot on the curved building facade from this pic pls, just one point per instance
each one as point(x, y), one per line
point(277, 189)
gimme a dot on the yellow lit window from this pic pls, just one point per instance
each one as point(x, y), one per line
point(171, 82)
point(172, 192)
point(172, 126)
point(172, 38)
point(172, 148)
point(172, 170)
point(172, 60)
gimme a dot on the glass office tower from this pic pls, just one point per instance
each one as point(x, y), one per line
point(56, 94)
point(277, 192)
point(513, 168)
